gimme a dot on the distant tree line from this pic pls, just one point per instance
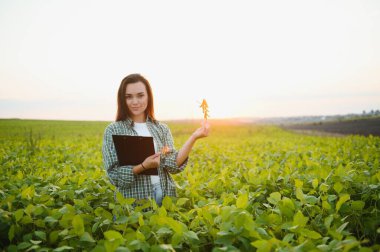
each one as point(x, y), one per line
point(320, 119)
point(372, 112)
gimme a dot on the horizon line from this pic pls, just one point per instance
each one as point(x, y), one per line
point(257, 118)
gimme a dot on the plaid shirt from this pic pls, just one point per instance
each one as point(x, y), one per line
point(139, 186)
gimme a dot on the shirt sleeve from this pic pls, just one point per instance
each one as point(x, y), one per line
point(170, 160)
point(120, 176)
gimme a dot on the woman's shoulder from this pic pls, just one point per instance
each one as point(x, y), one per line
point(115, 126)
point(162, 125)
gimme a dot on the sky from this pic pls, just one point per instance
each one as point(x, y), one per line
point(66, 59)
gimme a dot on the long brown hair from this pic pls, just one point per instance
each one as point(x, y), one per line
point(122, 109)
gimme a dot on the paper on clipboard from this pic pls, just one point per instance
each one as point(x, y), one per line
point(133, 150)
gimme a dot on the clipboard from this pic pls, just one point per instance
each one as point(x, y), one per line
point(133, 150)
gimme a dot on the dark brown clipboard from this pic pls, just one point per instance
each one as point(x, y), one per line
point(133, 150)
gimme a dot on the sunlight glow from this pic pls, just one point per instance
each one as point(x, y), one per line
point(248, 59)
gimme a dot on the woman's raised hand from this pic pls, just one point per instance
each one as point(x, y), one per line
point(203, 131)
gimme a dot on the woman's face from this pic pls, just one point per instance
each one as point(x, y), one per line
point(137, 100)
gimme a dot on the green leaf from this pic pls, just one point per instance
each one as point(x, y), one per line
point(288, 238)
point(63, 248)
point(342, 227)
point(78, 225)
point(300, 220)
point(274, 198)
point(112, 235)
point(324, 187)
point(28, 193)
point(141, 220)
point(11, 233)
point(312, 200)
point(86, 237)
point(120, 198)
point(38, 210)
point(262, 245)
point(39, 223)
point(298, 183)
point(53, 236)
point(326, 205)
point(41, 235)
point(19, 214)
point(112, 245)
point(167, 202)
point(343, 198)
point(23, 245)
point(162, 211)
point(118, 249)
point(181, 201)
point(35, 242)
point(300, 195)
point(328, 221)
point(96, 225)
point(50, 219)
point(33, 248)
point(242, 201)
point(176, 239)
point(119, 220)
point(162, 248)
point(99, 211)
point(314, 183)
point(338, 187)
point(373, 186)
point(63, 232)
point(286, 207)
point(357, 205)
point(26, 220)
point(164, 231)
point(262, 233)
point(178, 227)
point(191, 236)
point(130, 201)
point(29, 209)
point(140, 236)
point(311, 234)
point(331, 197)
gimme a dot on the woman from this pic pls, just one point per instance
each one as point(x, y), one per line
point(135, 116)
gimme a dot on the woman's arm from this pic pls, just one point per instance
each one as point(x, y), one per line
point(175, 161)
point(151, 162)
point(184, 152)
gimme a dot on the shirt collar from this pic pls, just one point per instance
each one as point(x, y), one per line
point(129, 121)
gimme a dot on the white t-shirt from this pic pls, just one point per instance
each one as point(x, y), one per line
point(142, 130)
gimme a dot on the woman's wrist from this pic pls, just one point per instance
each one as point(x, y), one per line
point(193, 138)
point(143, 167)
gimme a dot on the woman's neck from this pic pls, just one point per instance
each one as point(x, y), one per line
point(139, 119)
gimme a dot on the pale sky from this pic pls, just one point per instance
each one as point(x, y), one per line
point(66, 59)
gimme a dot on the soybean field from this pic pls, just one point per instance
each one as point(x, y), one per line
point(246, 188)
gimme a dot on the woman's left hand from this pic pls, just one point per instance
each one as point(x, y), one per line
point(183, 153)
point(202, 131)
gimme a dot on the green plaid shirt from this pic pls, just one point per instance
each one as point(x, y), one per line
point(139, 186)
